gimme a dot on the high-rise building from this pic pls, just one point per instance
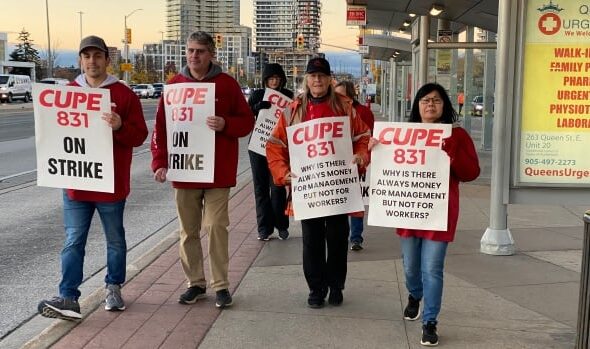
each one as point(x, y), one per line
point(287, 32)
point(213, 16)
point(220, 18)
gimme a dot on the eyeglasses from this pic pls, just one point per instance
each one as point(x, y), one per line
point(431, 100)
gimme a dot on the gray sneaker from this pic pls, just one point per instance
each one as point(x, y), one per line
point(114, 301)
point(61, 308)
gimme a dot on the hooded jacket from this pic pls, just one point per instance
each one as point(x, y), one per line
point(239, 122)
point(132, 133)
point(257, 96)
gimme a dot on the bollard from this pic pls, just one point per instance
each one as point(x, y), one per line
point(583, 330)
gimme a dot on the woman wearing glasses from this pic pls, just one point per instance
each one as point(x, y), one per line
point(424, 250)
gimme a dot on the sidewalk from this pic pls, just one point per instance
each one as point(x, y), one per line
point(528, 300)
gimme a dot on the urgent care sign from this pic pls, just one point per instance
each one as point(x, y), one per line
point(356, 15)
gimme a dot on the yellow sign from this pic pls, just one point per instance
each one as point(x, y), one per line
point(126, 67)
point(555, 126)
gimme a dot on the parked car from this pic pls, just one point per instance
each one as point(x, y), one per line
point(477, 105)
point(158, 89)
point(55, 81)
point(144, 90)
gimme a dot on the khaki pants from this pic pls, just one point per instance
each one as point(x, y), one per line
point(209, 208)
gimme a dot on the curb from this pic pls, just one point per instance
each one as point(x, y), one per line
point(59, 328)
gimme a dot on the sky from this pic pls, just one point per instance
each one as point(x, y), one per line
point(106, 18)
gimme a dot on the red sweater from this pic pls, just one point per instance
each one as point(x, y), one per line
point(239, 122)
point(464, 168)
point(366, 115)
point(132, 133)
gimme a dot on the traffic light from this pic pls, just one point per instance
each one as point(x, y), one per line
point(218, 40)
point(300, 42)
point(128, 35)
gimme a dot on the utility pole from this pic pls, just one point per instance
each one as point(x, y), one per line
point(81, 13)
point(49, 60)
point(127, 37)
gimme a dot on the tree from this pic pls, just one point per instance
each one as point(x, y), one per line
point(25, 52)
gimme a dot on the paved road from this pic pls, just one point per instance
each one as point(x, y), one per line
point(30, 220)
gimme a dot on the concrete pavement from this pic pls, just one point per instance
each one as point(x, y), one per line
point(528, 300)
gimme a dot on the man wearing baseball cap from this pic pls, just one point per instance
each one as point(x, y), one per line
point(129, 130)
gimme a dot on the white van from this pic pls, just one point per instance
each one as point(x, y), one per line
point(15, 87)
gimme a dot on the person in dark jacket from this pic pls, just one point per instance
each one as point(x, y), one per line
point(271, 199)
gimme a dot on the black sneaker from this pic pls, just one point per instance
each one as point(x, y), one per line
point(429, 335)
point(356, 246)
point(191, 295)
point(283, 234)
point(61, 308)
point(316, 299)
point(263, 237)
point(223, 299)
point(412, 311)
point(335, 297)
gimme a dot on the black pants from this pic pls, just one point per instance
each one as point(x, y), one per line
point(321, 272)
point(271, 200)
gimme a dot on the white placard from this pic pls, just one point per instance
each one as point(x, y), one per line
point(191, 144)
point(267, 119)
point(74, 145)
point(327, 183)
point(409, 176)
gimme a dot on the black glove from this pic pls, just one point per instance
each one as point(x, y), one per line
point(262, 105)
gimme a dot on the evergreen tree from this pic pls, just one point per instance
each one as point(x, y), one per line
point(25, 52)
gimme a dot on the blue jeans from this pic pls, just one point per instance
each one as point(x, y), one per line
point(77, 219)
point(356, 229)
point(424, 262)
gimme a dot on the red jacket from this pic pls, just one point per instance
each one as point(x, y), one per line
point(464, 168)
point(366, 115)
point(239, 122)
point(132, 133)
point(277, 147)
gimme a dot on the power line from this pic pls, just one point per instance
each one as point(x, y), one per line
point(344, 48)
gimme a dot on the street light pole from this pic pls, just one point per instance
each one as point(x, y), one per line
point(127, 43)
point(49, 61)
point(81, 13)
point(161, 32)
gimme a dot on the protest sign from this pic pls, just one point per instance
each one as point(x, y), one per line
point(191, 143)
point(267, 119)
point(74, 145)
point(326, 182)
point(409, 176)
